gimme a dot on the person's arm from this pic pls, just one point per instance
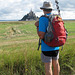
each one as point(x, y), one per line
point(41, 27)
point(37, 26)
point(40, 34)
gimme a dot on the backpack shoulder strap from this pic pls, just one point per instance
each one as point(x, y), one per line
point(50, 18)
point(50, 26)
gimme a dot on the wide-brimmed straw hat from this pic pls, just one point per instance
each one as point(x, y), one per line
point(47, 5)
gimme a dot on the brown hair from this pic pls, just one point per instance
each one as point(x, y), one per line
point(48, 10)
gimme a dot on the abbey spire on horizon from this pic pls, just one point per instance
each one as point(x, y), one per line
point(30, 16)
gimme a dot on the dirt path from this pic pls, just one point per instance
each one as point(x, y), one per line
point(17, 42)
point(24, 41)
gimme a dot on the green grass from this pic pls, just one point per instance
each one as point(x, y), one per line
point(18, 50)
point(70, 27)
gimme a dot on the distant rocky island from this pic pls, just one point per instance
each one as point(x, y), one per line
point(30, 16)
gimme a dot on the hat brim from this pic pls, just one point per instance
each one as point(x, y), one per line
point(46, 8)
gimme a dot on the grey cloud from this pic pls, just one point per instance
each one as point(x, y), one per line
point(5, 11)
point(22, 7)
point(67, 5)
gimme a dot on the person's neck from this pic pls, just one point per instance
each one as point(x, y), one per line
point(47, 12)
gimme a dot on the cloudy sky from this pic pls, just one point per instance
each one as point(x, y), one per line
point(16, 9)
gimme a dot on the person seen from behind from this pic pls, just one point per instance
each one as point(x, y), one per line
point(49, 55)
